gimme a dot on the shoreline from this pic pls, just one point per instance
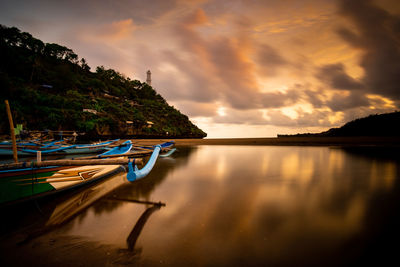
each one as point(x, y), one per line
point(282, 141)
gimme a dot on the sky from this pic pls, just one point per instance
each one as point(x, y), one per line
point(237, 68)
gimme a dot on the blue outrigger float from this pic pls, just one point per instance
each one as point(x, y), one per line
point(26, 181)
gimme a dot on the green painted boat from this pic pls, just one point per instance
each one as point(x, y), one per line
point(26, 183)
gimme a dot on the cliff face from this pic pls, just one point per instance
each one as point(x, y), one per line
point(49, 87)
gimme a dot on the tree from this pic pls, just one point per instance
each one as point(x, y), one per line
point(84, 65)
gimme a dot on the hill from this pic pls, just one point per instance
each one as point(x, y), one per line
point(50, 87)
point(378, 125)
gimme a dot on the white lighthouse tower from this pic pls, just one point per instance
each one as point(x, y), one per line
point(148, 80)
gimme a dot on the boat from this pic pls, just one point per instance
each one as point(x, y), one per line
point(26, 181)
point(89, 148)
point(124, 148)
point(46, 150)
point(166, 145)
point(25, 149)
point(32, 144)
point(60, 210)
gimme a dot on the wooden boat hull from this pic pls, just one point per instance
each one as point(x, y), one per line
point(27, 183)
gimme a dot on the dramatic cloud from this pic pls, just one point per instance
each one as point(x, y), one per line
point(335, 76)
point(269, 60)
point(218, 63)
point(273, 66)
point(114, 32)
point(253, 117)
point(340, 102)
point(377, 33)
point(278, 99)
point(304, 119)
point(314, 97)
point(195, 109)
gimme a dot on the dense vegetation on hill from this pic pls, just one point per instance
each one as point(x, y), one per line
point(384, 125)
point(49, 87)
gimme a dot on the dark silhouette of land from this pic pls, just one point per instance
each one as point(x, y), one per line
point(375, 130)
point(378, 125)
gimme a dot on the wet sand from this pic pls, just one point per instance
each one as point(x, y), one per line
point(283, 141)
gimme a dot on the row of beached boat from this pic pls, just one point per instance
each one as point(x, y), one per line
point(23, 181)
point(54, 147)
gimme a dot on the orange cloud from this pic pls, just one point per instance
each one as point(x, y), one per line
point(197, 18)
point(119, 30)
point(222, 62)
point(114, 32)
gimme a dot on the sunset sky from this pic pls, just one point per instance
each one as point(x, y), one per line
point(249, 68)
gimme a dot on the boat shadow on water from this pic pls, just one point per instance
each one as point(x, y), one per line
point(37, 228)
point(29, 230)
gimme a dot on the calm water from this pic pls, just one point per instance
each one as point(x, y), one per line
point(224, 206)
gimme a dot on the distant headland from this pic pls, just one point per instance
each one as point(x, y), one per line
point(381, 130)
point(378, 125)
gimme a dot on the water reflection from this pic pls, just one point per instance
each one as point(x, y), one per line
point(143, 188)
point(241, 205)
point(270, 204)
